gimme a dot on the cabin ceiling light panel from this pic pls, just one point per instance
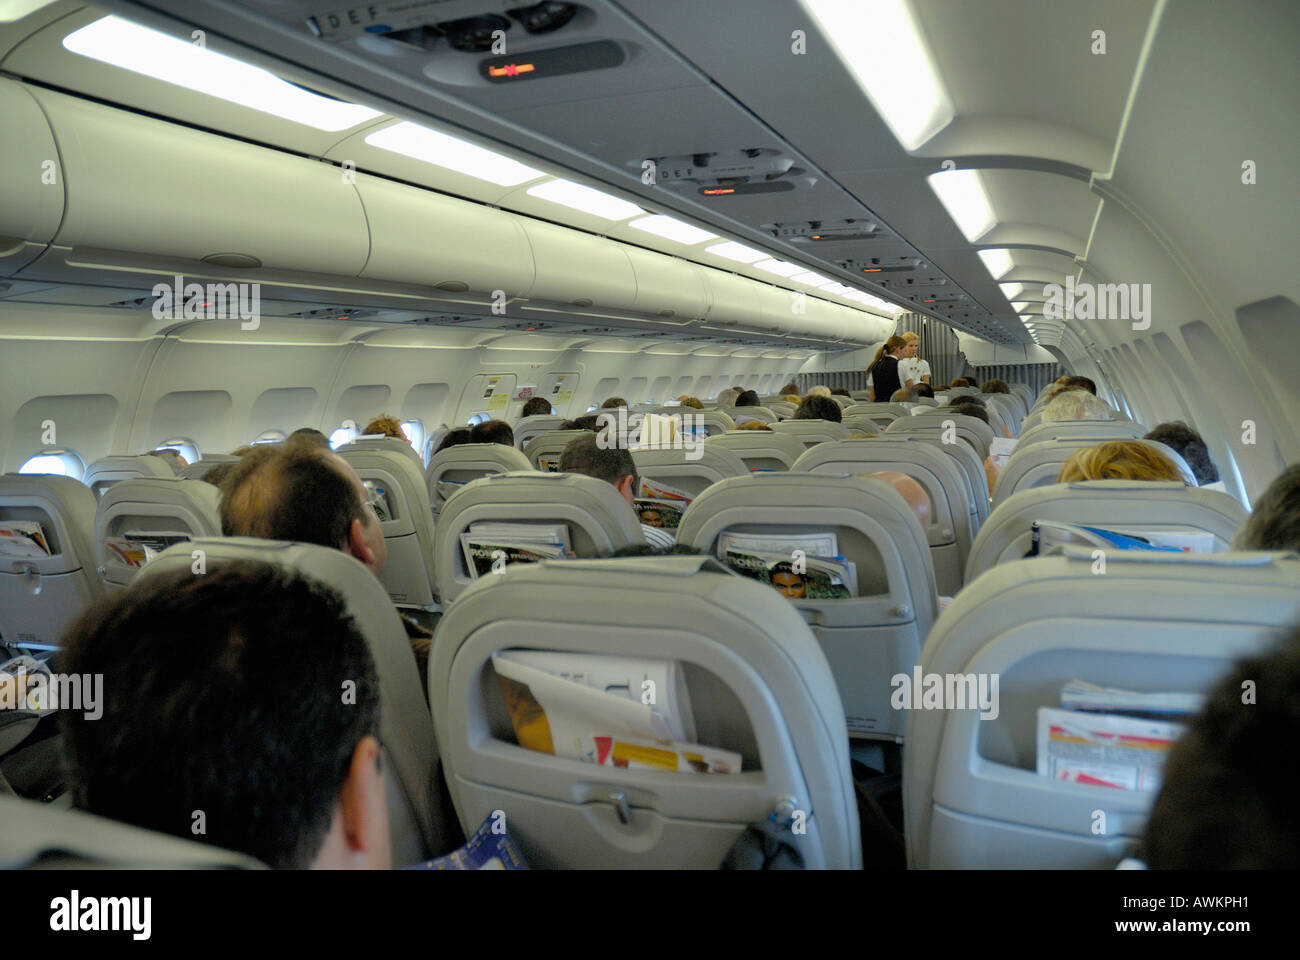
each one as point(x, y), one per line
point(671, 229)
point(577, 196)
point(443, 150)
point(962, 194)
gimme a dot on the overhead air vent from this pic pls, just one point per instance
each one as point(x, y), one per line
point(732, 172)
point(827, 231)
point(334, 313)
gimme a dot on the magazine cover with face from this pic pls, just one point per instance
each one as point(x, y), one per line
point(813, 578)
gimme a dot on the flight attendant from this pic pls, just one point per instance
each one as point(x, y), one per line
point(912, 370)
point(882, 376)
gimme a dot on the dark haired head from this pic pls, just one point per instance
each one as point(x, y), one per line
point(583, 454)
point(819, 408)
point(1226, 802)
point(492, 431)
point(590, 421)
point(536, 406)
point(994, 386)
point(1081, 383)
point(925, 390)
point(290, 492)
point(1181, 438)
point(454, 438)
point(613, 403)
point(222, 693)
point(748, 398)
point(975, 410)
point(1274, 524)
point(310, 436)
point(841, 392)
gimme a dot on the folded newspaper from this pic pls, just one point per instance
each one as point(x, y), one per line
point(1048, 536)
point(802, 567)
point(1081, 695)
point(658, 490)
point(135, 548)
point(1127, 753)
point(23, 538)
point(492, 546)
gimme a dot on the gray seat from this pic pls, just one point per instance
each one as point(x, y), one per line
point(599, 520)
point(882, 413)
point(783, 409)
point(861, 423)
point(39, 836)
point(760, 450)
point(976, 432)
point(1066, 429)
point(972, 467)
point(861, 396)
point(197, 469)
point(103, 473)
point(842, 401)
point(867, 638)
point(529, 427)
point(408, 531)
point(714, 421)
point(951, 507)
point(1119, 504)
point(417, 822)
point(810, 432)
point(150, 505)
point(756, 680)
point(690, 471)
point(1154, 622)
point(744, 414)
point(544, 450)
point(41, 596)
point(451, 469)
point(382, 442)
point(1040, 463)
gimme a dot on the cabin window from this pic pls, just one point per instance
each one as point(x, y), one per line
point(186, 448)
point(269, 436)
point(61, 463)
point(413, 430)
point(478, 418)
point(344, 434)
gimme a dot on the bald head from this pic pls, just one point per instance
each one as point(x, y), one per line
point(911, 491)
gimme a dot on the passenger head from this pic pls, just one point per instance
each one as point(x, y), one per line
point(1226, 802)
point(614, 465)
point(911, 491)
point(536, 406)
point(245, 450)
point(819, 391)
point(613, 403)
point(727, 398)
point(590, 421)
point(170, 457)
point(975, 410)
point(1275, 522)
point(296, 492)
point(748, 399)
point(790, 389)
point(841, 392)
point(1185, 441)
point(221, 695)
point(903, 395)
point(217, 474)
point(1118, 460)
point(960, 382)
point(386, 426)
point(312, 437)
point(994, 386)
point(453, 438)
point(691, 402)
point(1076, 405)
point(752, 425)
point(1081, 383)
point(924, 390)
point(492, 431)
point(814, 407)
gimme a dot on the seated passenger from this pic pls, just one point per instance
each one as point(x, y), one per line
point(1073, 404)
point(294, 491)
point(536, 406)
point(817, 407)
point(312, 436)
point(727, 398)
point(841, 392)
point(748, 399)
point(245, 450)
point(384, 425)
point(994, 386)
point(613, 403)
point(911, 491)
point(1275, 522)
point(1188, 444)
point(217, 474)
point(691, 402)
point(209, 710)
point(960, 382)
point(752, 425)
point(492, 431)
point(1081, 383)
point(614, 465)
point(925, 390)
point(904, 395)
point(169, 457)
point(1227, 801)
point(790, 389)
point(966, 408)
point(589, 422)
point(1118, 460)
point(819, 391)
point(452, 439)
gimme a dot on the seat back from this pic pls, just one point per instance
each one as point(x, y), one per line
point(41, 595)
point(951, 506)
point(744, 414)
point(842, 401)
point(417, 825)
point(1113, 504)
point(380, 442)
point(451, 469)
point(809, 432)
point(39, 836)
point(760, 450)
point(406, 521)
point(975, 432)
point(715, 421)
point(869, 637)
point(1066, 429)
point(197, 469)
point(598, 519)
point(861, 423)
point(755, 680)
point(141, 517)
point(1154, 623)
point(1040, 463)
point(882, 413)
point(544, 450)
point(102, 474)
point(529, 427)
point(690, 471)
point(783, 409)
point(972, 468)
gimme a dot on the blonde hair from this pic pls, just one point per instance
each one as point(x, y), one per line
point(387, 425)
point(690, 402)
point(752, 425)
point(909, 336)
point(1119, 460)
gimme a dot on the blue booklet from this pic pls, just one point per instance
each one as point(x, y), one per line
point(490, 848)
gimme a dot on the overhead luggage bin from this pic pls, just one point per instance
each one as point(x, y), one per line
point(577, 269)
point(666, 287)
point(31, 179)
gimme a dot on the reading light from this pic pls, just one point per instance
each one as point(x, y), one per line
point(588, 200)
point(811, 279)
point(1020, 306)
point(670, 229)
point(735, 251)
point(998, 262)
point(130, 46)
point(962, 194)
point(779, 267)
point(881, 46)
point(442, 150)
